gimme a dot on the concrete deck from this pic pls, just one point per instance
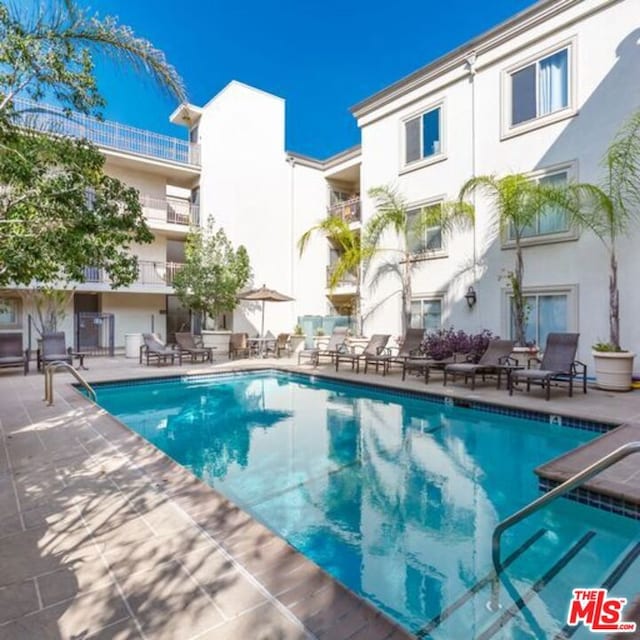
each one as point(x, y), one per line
point(102, 536)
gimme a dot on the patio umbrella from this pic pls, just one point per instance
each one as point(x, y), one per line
point(265, 295)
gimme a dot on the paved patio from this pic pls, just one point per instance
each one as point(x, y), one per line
point(102, 536)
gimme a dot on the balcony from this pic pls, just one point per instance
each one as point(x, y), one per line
point(107, 134)
point(348, 210)
point(150, 273)
point(171, 211)
point(348, 279)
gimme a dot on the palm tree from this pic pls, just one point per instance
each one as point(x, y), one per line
point(609, 209)
point(49, 50)
point(393, 215)
point(517, 201)
point(351, 256)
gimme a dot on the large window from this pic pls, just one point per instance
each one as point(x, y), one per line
point(540, 88)
point(430, 238)
point(551, 220)
point(10, 313)
point(546, 313)
point(426, 314)
point(423, 136)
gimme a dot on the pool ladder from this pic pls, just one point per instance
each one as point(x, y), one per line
point(562, 489)
point(56, 365)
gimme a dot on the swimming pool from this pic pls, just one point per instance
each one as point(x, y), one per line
point(394, 495)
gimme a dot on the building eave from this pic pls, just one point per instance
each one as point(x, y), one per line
point(511, 28)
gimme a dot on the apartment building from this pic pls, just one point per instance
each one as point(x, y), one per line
point(542, 94)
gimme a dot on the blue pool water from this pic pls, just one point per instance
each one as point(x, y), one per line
point(395, 496)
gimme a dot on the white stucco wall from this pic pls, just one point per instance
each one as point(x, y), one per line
point(604, 40)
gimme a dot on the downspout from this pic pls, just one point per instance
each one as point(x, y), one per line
point(292, 162)
point(471, 67)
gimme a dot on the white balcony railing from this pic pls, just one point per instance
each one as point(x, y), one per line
point(171, 210)
point(347, 280)
point(149, 273)
point(349, 210)
point(107, 134)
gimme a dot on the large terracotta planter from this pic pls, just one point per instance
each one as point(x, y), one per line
point(613, 369)
point(218, 341)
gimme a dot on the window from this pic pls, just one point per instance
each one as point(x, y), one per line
point(550, 220)
point(426, 314)
point(540, 88)
point(423, 136)
point(546, 313)
point(10, 313)
point(430, 238)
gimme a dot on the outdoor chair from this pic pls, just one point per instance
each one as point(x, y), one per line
point(410, 347)
point(558, 364)
point(374, 348)
point(53, 349)
point(495, 360)
point(11, 352)
point(239, 346)
point(336, 344)
point(156, 350)
point(280, 344)
point(186, 343)
point(424, 364)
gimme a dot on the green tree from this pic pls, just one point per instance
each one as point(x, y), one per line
point(516, 201)
point(610, 208)
point(351, 256)
point(213, 274)
point(394, 216)
point(59, 212)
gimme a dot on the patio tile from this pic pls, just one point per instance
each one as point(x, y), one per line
point(17, 600)
point(263, 623)
point(169, 604)
point(77, 578)
point(78, 618)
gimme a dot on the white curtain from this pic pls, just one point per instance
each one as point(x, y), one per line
point(553, 83)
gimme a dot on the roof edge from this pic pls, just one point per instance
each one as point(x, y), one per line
point(522, 21)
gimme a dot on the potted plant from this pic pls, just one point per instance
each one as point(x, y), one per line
point(297, 339)
point(607, 211)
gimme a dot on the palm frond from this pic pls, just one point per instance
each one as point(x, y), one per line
point(391, 214)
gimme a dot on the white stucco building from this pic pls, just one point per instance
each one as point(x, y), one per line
point(542, 94)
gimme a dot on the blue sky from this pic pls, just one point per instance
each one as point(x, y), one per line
point(322, 57)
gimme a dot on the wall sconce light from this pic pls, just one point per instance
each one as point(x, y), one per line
point(471, 297)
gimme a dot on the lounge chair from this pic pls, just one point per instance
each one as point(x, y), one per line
point(376, 347)
point(495, 360)
point(410, 347)
point(558, 364)
point(280, 344)
point(53, 349)
point(336, 344)
point(239, 346)
point(424, 364)
point(12, 353)
point(186, 343)
point(153, 348)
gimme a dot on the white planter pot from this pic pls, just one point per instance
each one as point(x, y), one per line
point(297, 343)
point(613, 369)
point(218, 341)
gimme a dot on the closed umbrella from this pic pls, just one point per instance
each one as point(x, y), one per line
point(265, 295)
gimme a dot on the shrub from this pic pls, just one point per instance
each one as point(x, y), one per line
point(443, 343)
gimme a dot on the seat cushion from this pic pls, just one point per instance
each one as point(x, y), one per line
point(9, 360)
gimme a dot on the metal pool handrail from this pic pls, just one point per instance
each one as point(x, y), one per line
point(54, 366)
point(568, 485)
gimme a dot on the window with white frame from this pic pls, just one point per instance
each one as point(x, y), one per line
point(545, 312)
point(551, 220)
point(10, 313)
point(540, 88)
point(423, 136)
point(426, 314)
point(428, 239)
